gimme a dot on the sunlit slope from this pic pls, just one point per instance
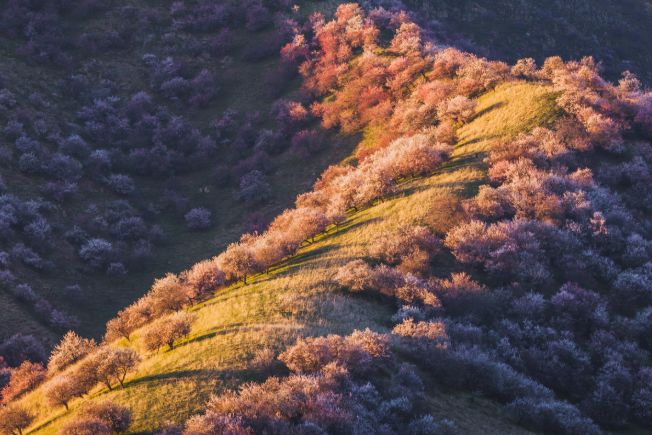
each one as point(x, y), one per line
point(298, 298)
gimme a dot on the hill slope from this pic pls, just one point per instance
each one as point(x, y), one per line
point(504, 210)
point(56, 72)
point(298, 298)
point(88, 72)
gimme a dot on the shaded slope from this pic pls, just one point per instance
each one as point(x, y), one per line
point(244, 86)
point(609, 30)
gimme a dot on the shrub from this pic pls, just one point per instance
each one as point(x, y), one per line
point(264, 361)
point(254, 187)
point(21, 347)
point(63, 167)
point(168, 294)
point(203, 89)
point(578, 310)
point(423, 333)
point(551, 417)
point(117, 417)
point(29, 257)
point(25, 293)
point(86, 426)
point(96, 252)
point(129, 319)
point(237, 262)
point(121, 184)
point(460, 109)
point(511, 250)
point(461, 295)
point(405, 244)
point(198, 219)
point(74, 146)
point(355, 351)
point(355, 275)
point(305, 143)
point(175, 88)
point(642, 397)
point(204, 277)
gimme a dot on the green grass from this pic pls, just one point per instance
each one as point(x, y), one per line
point(298, 298)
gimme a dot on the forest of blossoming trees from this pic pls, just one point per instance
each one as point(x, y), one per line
point(548, 311)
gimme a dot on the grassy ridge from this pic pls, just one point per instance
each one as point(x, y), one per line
point(298, 297)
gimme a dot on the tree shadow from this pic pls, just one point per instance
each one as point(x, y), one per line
point(172, 377)
point(486, 110)
point(214, 332)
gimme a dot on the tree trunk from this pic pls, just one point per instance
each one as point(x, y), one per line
point(244, 279)
point(66, 406)
point(108, 384)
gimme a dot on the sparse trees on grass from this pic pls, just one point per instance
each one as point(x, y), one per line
point(116, 363)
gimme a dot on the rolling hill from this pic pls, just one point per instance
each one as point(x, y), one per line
point(298, 298)
point(475, 256)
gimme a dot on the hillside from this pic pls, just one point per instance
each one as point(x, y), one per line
point(50, 79)
point(475, 257)
point(298, 298)
point(58, 109)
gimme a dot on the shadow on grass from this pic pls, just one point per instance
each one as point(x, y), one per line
point(172, 377)
point(214, 332)
point(163, 377)
point(486, 110)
